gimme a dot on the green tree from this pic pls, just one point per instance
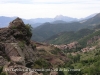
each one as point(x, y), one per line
point(29, 29)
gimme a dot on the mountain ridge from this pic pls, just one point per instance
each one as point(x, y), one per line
point(47, 30)
point(4, 21)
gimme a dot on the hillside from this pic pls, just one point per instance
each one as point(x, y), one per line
point(67, 37)
point(19, 55)
point(88, 59)
point(47, 30)
point(84, 55)
point(91, 38)
point(93, 21)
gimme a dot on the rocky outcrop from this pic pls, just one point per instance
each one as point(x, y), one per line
point(16, 23)
point(16, 48)
point(16, 31)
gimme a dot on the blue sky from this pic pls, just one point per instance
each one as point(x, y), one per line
point(48, 8)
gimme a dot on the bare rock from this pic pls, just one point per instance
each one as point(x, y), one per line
point(16, 23)
point(16, 47)
point(16, 30)
point(18, 60)
point(2, 61)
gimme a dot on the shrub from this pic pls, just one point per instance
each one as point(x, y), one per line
point(29, 29)
point(41, 63)
point(21, 44)
point(1, 69)
point(3, 73)
point(13, 27)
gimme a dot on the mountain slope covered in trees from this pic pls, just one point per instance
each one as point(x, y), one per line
point(67, 37)
point(47, 30)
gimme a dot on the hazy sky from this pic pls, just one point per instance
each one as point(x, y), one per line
point(48, 8)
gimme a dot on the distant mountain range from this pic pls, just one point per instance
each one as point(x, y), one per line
point(90, 16)
point(4, 21)
point(65, 18)
point(47, 30)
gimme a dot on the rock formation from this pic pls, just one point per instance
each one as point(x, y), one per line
point(16, 50)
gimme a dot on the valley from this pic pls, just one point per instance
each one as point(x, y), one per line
point(60, 47)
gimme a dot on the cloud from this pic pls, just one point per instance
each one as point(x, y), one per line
point(49, 1)
point(16, 1)
point(64, 1)
point(43, 8)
